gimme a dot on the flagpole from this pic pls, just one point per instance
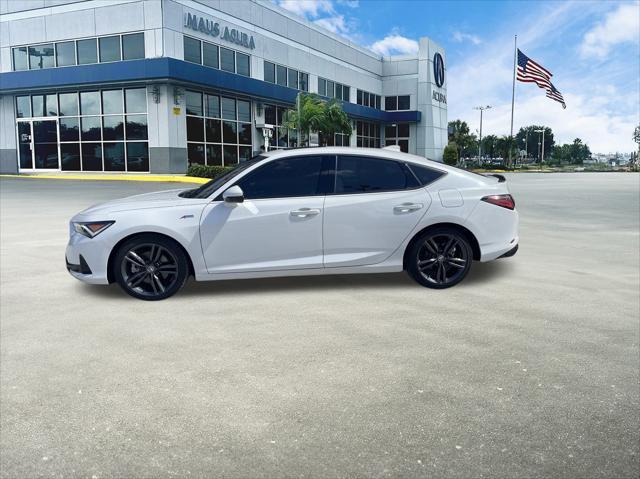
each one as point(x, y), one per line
point(513, 92)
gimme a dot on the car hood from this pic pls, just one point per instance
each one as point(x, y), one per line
point(157, 199)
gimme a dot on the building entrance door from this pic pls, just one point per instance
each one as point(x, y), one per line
point(38, 145)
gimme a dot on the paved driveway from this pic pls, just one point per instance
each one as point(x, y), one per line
point(527, 369)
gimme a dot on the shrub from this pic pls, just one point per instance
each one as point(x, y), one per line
point(450, 154)
point(207, 171)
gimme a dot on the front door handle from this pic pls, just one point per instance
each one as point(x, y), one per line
point(305, 212)
point(407, 207)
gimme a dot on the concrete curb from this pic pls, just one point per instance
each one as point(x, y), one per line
point(148, 178)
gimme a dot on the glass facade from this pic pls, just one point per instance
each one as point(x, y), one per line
point(365, 98)
point(395, 103)
point(94, 130)
point(79, 52)
point(219, 129)
point(282, 137)
point(367, 134)
point(214, 56)
point(332, 89)
point(397, 134)
point(286, 76)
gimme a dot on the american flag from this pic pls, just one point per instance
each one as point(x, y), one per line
point(529, 71)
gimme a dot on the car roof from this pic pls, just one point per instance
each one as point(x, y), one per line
point(346, 150)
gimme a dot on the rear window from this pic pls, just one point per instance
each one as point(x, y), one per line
point(426, 175)
point(358, 174)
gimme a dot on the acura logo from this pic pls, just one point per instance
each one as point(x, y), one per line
point(438, 70)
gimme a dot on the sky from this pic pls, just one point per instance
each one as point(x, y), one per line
point(591, 47)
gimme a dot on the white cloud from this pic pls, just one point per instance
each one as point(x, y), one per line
point(619, 26)
point(349, 3)
point(307, 8)
point(395, 44)
point(466, 37)
point(335, 24)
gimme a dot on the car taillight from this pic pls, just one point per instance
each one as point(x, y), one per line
point(506, 201)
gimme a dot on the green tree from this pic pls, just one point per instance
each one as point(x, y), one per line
point(450, 154)
point(579, 152)
point(311, 117)
point(466, 142)
point(503, 144)
point(334, 120)
point(527, 139)
point(489, 146)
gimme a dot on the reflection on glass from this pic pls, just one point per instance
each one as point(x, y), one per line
point(23, 106)
point(136, 127)
point(87, 51)
point(37, 105)
point(133, 46)
point(213, 106)
point(245, 153)
point(244, 133)
point(112, 101)
point(109, 48)
point(92, 157)
point(66, 53)
point(229, 132)
point(214, 155)
point(227, 61)
point(228, 108)
point(210, 55)
point(213, 131)
point(20, 59)
point(244, 111)
point(242, 67)
point(192, 50)
point(113, 128)
point(195, 129)
point(90, 102)
point(138, 156)
point(70, 156)
point(114, 156)
point(69, 129)
point(193, 100)
point(136, 100)
point(51, 106)
point(230, 155)
point(195, 153)
point(68, 104)
point(91, 128)
point(41, 56)
point(46, 155)
point(45, 132)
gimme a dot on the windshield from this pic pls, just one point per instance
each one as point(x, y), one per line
point(207, 189)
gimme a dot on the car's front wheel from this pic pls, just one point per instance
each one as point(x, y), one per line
point(150, 267)
point(440, 258)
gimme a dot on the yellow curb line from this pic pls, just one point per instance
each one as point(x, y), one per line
point(174, 179)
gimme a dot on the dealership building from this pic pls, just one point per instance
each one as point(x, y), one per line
point(153, 86)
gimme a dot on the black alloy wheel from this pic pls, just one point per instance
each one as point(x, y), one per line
point(150, 267)
point(440, 258)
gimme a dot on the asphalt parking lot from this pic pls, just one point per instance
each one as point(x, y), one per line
point(530, 368)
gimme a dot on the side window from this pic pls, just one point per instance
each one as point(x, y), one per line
point(286, 178)
point(358, 174)
point(426, 175)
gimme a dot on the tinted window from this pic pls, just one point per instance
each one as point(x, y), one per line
point(269, 72)
point(66, 53)
point(87, 51)
point(424, 174)
point(90, 102)
point(227, 61)
point(281, 75)
point(210, 55)
point(304, 81)
point(285, 178)
point(194, 103)
point(391, 103)
point(68, 104)
point(133, 46)
point(136, 100)
point(20, 59)
point(364, 175)
point(109, 49)
point(243, 64)
point(403, 102)
point(112, 101)
point(192, 50)
point(23, 106)
point(41, 56)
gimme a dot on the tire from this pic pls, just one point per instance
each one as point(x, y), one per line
point(440, 258)
point(150, 267)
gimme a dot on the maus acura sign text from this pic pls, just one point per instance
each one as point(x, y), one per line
point(213, 28)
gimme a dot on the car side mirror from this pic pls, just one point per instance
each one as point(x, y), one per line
point(233, 195)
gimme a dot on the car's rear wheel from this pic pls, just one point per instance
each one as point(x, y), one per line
point(150, 267)
point(440, 258)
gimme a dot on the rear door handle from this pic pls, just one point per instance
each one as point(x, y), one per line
point(407, 207)
point(305, 212)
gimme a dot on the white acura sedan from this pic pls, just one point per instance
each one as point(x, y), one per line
point(300, 212)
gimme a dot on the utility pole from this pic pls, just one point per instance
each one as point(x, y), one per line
point(482, 109)
point(542, 154)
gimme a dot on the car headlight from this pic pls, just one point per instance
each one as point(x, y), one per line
point(91, 229)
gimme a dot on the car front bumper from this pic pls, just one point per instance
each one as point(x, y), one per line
point(87, 259)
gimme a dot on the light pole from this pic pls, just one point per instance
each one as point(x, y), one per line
point(542, 150)
point(482, 109)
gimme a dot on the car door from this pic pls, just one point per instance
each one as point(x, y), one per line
point(278, 226)
point(375, 205)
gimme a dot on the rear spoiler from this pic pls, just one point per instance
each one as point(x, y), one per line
point(501, 179)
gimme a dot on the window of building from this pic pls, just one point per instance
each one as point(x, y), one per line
point(332, 89)
point(99, 130)
point(357, 174)
point(242, 64)
point(395, 103)
point(210, 55)
point(282, 137)
point(133, 46)
point(284, 76)
point(269, 72)
point(109, 49)
point(397, 134)
point(286, 178)
point(367, 134)
point(365, 98)
point(218, 129)
point(227, 60)
point(192, 50)
point(79, 52)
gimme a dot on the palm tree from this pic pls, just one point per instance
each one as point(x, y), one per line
point(312, 113)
